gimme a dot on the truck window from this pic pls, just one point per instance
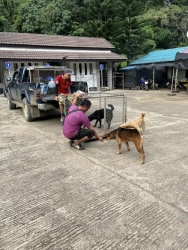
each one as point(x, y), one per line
point(20, 74)
point(26, 77)
point(15, 76)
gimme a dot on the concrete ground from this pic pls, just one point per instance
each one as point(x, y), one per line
point(53, 197)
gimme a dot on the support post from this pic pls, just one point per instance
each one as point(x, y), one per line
point(176, 78)
point(104, 115)
point(153, 78)
point(172, 80)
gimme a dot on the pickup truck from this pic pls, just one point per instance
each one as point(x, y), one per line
point(33, 89)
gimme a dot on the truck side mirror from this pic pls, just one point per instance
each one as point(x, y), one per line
point(8, 79)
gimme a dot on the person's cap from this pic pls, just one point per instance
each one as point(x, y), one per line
point(68, 71)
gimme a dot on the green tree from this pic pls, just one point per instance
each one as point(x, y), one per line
point(131, 28)
point(169, 25)
point(46, 16)
point(97, 18)
point(9, 11)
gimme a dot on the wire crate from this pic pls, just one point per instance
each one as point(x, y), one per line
point(101, 100)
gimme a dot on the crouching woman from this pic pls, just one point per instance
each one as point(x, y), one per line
point(73, 122)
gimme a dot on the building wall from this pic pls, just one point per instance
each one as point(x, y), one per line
point(85, 72)
point(1, 74)
point(180, 75)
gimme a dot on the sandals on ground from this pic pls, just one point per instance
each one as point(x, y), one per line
point(79, 146)
point(70, 143)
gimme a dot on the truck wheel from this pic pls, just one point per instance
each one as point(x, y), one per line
point(26, 111)
point(10, 104)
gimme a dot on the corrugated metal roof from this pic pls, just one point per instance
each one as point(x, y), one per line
point(159, 56)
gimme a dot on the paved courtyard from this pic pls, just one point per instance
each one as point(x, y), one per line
point(53, 197)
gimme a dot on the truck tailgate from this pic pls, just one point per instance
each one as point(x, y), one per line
point(47, 97)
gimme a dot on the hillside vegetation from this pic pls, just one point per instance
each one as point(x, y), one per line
point(134, 27)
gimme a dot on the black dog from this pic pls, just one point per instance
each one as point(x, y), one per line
point(98, 115)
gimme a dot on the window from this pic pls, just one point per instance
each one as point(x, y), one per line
point(186, 73)
point(36, 64)
point(15, 76)
point(91, 68)
point(29, 64)
point(22, 64)
point(15, 66)
point(85, 68)
point(20, 74)
point(26, 76)
point(74, 68)
point(80, 68)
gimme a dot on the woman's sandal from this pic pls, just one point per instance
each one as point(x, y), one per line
point(79, 146)
point(70, 143)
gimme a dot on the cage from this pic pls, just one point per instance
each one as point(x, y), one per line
point(112, 118)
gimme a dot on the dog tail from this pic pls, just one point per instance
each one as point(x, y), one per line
point(111, 106)
point(142, 115)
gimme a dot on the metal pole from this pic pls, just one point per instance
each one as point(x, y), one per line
point(101, 79)
point(172, 79)
point(124, 116)
point(176, 78)
point(123, 80)
point(153, 78)
point(104, 115)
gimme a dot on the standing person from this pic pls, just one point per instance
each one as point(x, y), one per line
point(63, 82)
point(142, 83)
point(73, 122)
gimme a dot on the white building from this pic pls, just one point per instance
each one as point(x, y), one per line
point(86, 56)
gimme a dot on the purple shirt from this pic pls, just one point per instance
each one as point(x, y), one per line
point(74, 121)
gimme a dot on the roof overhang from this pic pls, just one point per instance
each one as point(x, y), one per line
point(128, 68)
point(59, 55)
point(157, 66)
point(181, 60)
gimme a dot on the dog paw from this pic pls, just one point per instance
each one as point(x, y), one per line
point(122, 126)
point(142, 162)
point(118, 152)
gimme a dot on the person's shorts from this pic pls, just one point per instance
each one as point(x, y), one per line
point(63, 97)
point(82, 132)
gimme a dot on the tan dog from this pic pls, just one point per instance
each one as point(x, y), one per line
point(126, 135)
point(138, 124)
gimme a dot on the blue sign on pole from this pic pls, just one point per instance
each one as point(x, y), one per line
point(47, 64)
point(101, 66)
point(8, 65)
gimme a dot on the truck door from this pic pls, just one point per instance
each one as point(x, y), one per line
point(13, 85)
point(20, 84)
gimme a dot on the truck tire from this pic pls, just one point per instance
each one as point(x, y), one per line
point(26, 111)
point(10, 104)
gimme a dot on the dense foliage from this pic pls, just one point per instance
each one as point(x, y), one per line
point(134, 27)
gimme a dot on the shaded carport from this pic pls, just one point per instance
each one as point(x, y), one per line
point(158, 64)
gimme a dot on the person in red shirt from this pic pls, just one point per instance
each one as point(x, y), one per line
point(63, 82)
